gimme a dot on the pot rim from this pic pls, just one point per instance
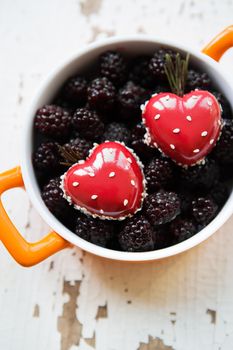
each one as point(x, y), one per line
point(30, 180)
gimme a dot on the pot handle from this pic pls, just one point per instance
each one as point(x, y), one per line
point(25, 253)
point(220, 44)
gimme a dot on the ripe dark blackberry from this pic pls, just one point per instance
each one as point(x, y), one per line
point(161, 88)
point(182, 229)
point(53, 121)
point(139, 72)
point(226, 172)
point(223, 150)
point(79, 146)
point(186, 198)
point(113, 67)
point(116, 132)
point(220, 193)
point(93, 230)
point(88, 124)
point(204, 210)
point(162, 237)
point(46, 157)
point(114, 244)
point(75, 91)
point(101, 94)
point(201, 176)
point(138, 144)
point(225, 105)
point(61, 102)
point(158, 173)
point(136, 235)
point(52, 196)
point(197, 80)
point(129, 99)
point(162, 207)
point(157, 62)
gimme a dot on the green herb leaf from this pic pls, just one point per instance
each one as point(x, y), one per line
point(70, 157)
point(176, 72)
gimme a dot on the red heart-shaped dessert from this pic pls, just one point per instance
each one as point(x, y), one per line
point(183, 128)
point(109, 184)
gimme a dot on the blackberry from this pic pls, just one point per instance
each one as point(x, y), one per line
point(138, 144)
point(113, 67)
point(162, 207)
point(88, 123)
point(61, 102)
point(139, 72)
point(114, 244)
point(220, 193)
point(162, 237)
point(161, 88)
point(94, 230)
point(223, 150)
point(136, 235)
point(46, 157)
point(204, 210)
point(158, 173)
point(79, 146)
point(186, 198)
point(101, 94)
point(182, 229)
point(52, 120)
point(225, 105)
point(75, 91)
point(197, 80)
point(226, 172)
point(201, 176)
point(157, 63)
point(116, 132)
point(52, 196)
point(129, 99)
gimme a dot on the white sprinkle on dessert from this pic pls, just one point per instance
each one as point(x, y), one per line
point(142, 107)
point(204, 133)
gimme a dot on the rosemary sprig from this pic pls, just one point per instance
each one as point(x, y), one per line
point(70, 157)
point(176, 72)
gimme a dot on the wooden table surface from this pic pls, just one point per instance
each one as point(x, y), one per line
point(74, 300)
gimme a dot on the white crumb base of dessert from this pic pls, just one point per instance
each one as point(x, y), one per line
point(147, 139)
point(103, 217)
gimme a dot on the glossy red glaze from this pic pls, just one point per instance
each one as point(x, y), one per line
point(183, 128)
point(109, 184)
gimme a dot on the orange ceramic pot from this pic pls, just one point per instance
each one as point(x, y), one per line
point(28, 254)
